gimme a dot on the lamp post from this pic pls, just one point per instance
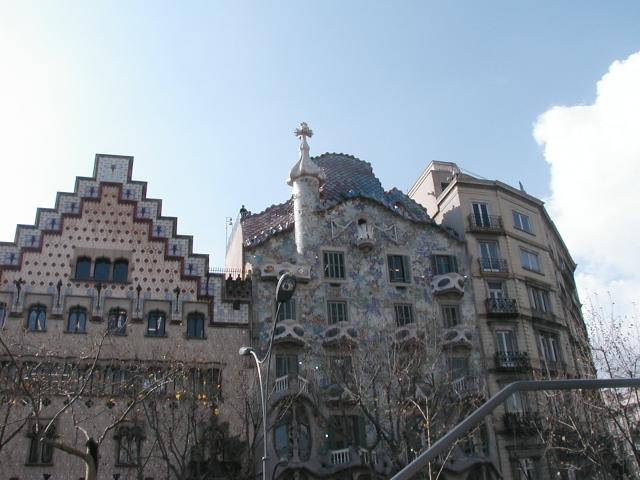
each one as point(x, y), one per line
point(284, 291)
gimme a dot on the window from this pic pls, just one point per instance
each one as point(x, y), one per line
point(119, 379)
point(505, 342)
point(539, 300)
point(530, 260)
point(525, 469)
point(337, 312)
point(287, 310)
point(521, 222)
point(77, 320)
point(346, 431)
point(101, 270)
point(450, 315)
point(481, 214)
point(458, 367)
point(36, 321)
point(117, 321)
point(549, 346)
point(444, 264)
point(128, 440)
point(195, 325)
point(3, 313)
point(496, 290)
point(333, 265)
point(341, 369)
point(156, 320)
point(515, 403)
point(120, 270)
point(398, 268)
point(281, 444)
point(404, 314)
point(83, 268)
point(489, 256)
point(40, 452)
point(286, 365)
point(204, 382)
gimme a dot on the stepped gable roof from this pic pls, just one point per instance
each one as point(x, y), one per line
point(347, 177)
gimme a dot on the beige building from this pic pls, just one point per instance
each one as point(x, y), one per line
point(527, 305)
point(108, 312)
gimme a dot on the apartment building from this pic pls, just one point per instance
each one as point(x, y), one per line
point(528, 310)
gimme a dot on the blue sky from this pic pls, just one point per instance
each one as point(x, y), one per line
point(206, 95)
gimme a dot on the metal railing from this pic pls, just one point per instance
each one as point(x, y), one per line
point(493, 265)
point(501, 306)
point(486, 223)
point(498, 399)
point(512, 361)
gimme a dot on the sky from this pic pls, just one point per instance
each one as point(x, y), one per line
point(205, 96)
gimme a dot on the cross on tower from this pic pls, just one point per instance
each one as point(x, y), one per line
point(158, 230)
point(52, 223)
point(127, 193)
point(92, 190)
point(72, 207)
point(32, 240)
point(12, 257)
point(174, 249)
point(190, 268)
point(113, 168)
point(143, 211)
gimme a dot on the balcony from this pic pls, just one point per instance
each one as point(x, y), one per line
point(486, 224)
point(512, 361)
point(496, 266)
point(287, 385)
point(501, 307)
point(527, 423)
point(352, 456)
point(465, 387)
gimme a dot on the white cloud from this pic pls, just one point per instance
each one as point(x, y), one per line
point(594, 153)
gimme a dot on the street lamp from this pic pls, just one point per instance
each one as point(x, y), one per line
point(284, 291)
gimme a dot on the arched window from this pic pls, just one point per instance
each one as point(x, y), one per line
point(195, 325)
point(3, 313)
point(117, 321)
point(156, 320)
point(40, 452)
point(77, 320)
point(129, 440)
point(101, 270)
point(120, 270)
point(83, 268)
point(36, 321)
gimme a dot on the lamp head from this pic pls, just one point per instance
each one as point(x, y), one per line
point(286, 287)
point(245, 351)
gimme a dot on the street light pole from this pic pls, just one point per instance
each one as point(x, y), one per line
point(284, 291)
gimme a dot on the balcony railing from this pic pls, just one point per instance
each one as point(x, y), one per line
point(522, 422)
point(493, 265)
point(501, 307)
point(513, 361)
point(286, 382)
point(340, 457)
point(486, 223)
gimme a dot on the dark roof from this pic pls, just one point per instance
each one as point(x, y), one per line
point(347, 177)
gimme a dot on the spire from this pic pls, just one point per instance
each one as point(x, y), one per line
point(304, 166)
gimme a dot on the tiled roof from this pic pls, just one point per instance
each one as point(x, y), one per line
point(346, 177)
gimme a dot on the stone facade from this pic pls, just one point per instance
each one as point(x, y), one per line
point(104, 267)
point(366, 316)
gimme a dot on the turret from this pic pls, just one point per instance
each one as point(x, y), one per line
point(305, 178)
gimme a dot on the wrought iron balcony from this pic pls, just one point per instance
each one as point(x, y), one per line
point(501, 307)
point(493, 265)
point(512, 361)
point(527, 423)
point(486, 223)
